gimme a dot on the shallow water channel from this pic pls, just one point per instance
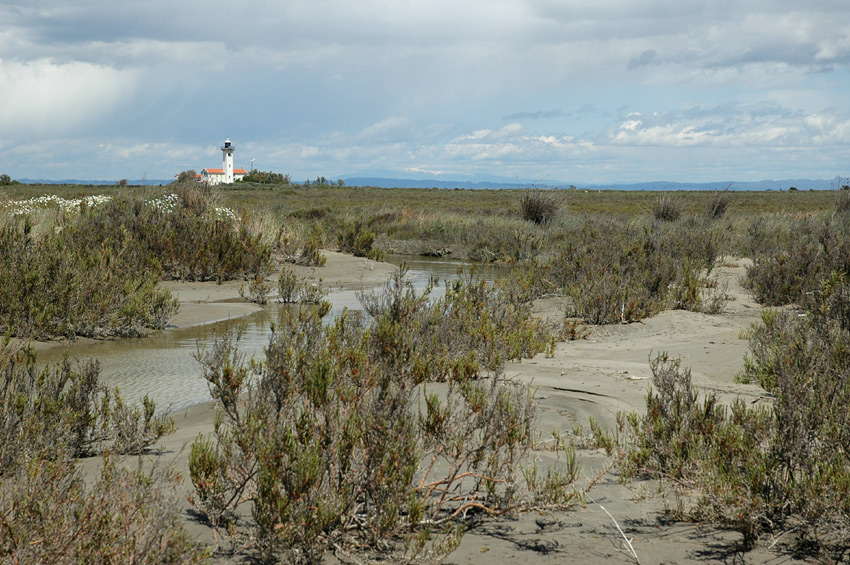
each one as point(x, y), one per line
point(163, 365)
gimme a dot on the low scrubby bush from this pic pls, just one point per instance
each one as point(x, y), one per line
point(787, 268)
point(292, 289)
point(63, 284)
point(493, 322)
point(356, 238)
point(183, 235)
point(95, 272)
point(303, 250)
point(257, 290)
point(762, 470)
point(618, 272)
point(65, 408)
point(327, 436)
point(48, 514)
point(51, 416)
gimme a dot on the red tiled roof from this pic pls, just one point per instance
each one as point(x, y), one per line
point(221, 171)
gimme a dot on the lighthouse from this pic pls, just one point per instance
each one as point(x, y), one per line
point(227, 161)
point(226, 174)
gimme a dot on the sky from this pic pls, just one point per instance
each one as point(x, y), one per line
point(578, 91)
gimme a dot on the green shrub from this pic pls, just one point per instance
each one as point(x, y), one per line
point(700, 444)
point(327, 436)
point(491, 322)
point(64, 284)
point(291, 289)
point(51, 416)
point(257, 291)
point(617, 272)
point(790, 267)
point(754, 469)
point(183, 235)
point(49, 515)
point(267, 177)
point(288, 286)
point(66, 409)
point(301, 250)
point(96, 271)
point(356, 238)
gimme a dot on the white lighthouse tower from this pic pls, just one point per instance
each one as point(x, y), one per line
point(227, 161)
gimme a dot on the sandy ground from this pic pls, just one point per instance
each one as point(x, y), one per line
point(599, 376)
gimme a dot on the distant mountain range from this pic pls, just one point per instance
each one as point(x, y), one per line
point(491, 182)
point(799, 184)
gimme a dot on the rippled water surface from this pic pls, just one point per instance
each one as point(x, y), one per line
point(163, 365)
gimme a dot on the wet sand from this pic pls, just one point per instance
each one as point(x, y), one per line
point(208, 302)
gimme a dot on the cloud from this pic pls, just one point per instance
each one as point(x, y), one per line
point(392, 129)
point(42, 97)
point(642, 60)
point(730, 127)
point(510, 131)
point(337, 85)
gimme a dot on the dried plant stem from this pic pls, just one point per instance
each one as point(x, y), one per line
point(628, 541)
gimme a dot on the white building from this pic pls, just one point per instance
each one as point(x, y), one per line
point(226, 174)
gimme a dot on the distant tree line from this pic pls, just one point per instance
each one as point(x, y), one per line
point(323, 181)
point(266, 177)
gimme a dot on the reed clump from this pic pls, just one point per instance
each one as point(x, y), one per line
point(540, 206)
point(667, 208)
point(717, 206)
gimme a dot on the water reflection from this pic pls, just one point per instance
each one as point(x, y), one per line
point(163, 365)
